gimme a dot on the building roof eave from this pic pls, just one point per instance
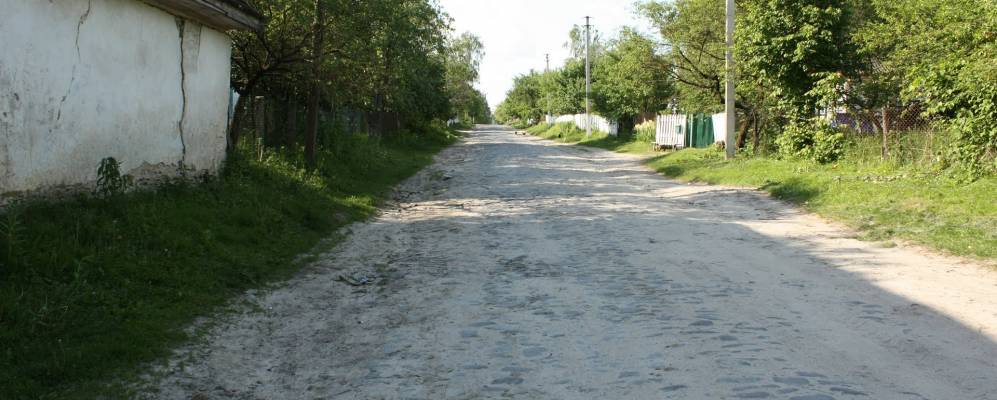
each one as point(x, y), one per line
point(223, 15)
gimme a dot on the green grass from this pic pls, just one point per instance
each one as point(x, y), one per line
point(93, 289)
point(904, 197)
point(567, 132)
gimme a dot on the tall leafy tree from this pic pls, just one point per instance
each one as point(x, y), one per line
point(524, 102)
point(692, 32)
point(463, 61)
point(633, 79)
point(791, 43)
point(386, 59)
point(940, 53)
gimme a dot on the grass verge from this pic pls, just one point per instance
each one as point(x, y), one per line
point(92, 288)
point(883, 200)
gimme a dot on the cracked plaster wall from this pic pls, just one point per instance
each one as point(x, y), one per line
point(81, 80)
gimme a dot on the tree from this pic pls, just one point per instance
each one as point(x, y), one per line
point(633, 79)
point(268, 60)
point(524, 102)
point(464, 55)
point(940, 53)
point(790, 43)
point(318, 49)
point(389, 63)
point(693, 36)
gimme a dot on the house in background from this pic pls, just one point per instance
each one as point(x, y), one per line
point(145, 82)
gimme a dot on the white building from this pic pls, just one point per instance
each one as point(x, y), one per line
point(145, 82)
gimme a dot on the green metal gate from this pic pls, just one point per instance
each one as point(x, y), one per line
point(699, 130)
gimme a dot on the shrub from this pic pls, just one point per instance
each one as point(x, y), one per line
point(110, 180)
point(539, 129)
point(644, 133)
point(965, 95)
point(813, 140)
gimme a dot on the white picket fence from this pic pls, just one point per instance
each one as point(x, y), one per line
point(598, 123)
point(671, 129)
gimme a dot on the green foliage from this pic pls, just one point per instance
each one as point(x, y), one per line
point(463, 60)
point(940, 53)
point(110, 181)
point(789, 42)
point(569, 133)
point(539, 129)
point(523, 105)
point(633, 79)
point(92, 289)
point(694, 31)
point(385, 56)
point(645, 133)
point(564, 132)
point(813, 140)
point(629, 78)
point(970, 98)
point(796, 57)
point(882, 200)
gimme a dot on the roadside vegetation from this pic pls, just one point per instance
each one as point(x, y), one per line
point(881, 114)
point(904, 197)
point(94, 287)
point(339, 101)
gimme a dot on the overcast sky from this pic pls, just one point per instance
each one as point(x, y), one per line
point(517, 33)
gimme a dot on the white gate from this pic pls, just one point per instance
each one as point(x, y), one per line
point(670, 131)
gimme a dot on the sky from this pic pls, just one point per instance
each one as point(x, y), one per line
point(517, 33)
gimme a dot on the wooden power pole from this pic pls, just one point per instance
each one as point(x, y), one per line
point(588, 81)
point(730, 95)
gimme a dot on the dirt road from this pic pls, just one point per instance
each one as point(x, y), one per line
point(520, 268)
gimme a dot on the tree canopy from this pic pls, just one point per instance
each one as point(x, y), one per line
point(796, 59)
point(398, 62)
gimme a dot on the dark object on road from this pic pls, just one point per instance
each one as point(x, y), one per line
point(360, 279)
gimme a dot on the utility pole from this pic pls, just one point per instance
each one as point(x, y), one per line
point(731, 96)
point(550, 113)
point(588, 81)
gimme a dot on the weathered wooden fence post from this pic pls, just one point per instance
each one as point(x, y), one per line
point(259, 116)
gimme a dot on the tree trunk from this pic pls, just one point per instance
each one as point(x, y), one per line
point(755, 136)
point(311, 130)
point(742, 136)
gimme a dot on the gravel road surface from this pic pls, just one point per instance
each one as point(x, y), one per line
point(520, 268)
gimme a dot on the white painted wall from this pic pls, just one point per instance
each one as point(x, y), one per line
point(81, 80)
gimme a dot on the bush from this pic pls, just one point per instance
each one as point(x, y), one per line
point(540, 129)
point(965, 95)
point(813, 140)
point(644, 133)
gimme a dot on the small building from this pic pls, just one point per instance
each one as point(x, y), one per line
point(146, 82)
